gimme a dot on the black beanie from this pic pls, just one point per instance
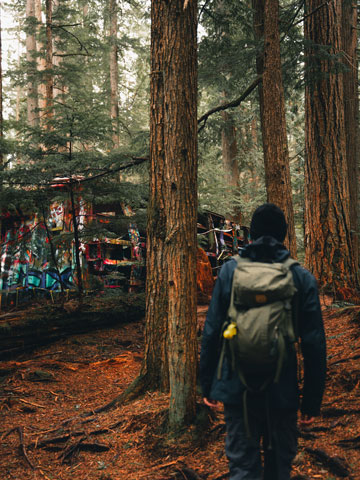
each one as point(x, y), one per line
point(268, 219)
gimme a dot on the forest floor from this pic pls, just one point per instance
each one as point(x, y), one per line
point(44, 436)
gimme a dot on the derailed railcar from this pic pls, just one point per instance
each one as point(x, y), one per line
point(220, 237)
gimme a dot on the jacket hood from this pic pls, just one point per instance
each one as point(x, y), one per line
point(265, 249)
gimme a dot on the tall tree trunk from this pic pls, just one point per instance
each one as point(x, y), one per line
point(49, 89)
point(41, 63)
point(32, 104)
point(229, 155)
point(155, 365)
point(180, 129)
point(114, 73)
point(59, 86)
point(272, 111)
point(18, 87)
point(351, 105)
point(171, 240)
point(1, 96)
point(328, 252)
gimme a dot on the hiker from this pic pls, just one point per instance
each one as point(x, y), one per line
point(259, 412)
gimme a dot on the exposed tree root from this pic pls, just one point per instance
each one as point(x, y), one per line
point(350, 442)
point(342, 360)
point(186, 473)
point(339, 412)
point(137, 388)
point(337, 465)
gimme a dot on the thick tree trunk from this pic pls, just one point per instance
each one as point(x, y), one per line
point(272, 111)
point(114, 73)
point(328, 252)
point(351, 105)
point(155, 363)
point(32, 104)
point(180, 128)
point(171, 240)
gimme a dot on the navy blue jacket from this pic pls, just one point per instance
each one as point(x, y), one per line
point(285, 394)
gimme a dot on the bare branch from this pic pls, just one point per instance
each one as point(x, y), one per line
point(234, 103)
point(82, 46)
point(311, 13)
point(136, 161)
point(65, 25)
point(71, 54)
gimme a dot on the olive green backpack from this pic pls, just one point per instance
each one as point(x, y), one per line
point(261, 321)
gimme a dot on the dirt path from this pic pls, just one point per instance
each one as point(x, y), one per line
point(44, 436)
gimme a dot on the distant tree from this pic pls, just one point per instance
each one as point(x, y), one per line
point(272, 113)
point(328, 246)
point(49, 85)
point(40, 47)
point(230, 156)
point(114, 72)
point(32, 103)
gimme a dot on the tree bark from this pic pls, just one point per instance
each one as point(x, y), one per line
point(32, 104)
point(114, 73)
point(351, 108)
point(328, 250)
point(272, 113)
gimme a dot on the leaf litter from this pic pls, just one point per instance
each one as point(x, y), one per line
point(44, 394)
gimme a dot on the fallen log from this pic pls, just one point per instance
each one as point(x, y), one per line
point(50, 323)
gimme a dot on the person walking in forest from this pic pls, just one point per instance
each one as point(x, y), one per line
point(263, 300)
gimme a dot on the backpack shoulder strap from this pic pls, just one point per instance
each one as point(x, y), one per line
point(240, 259)
point(289, 262)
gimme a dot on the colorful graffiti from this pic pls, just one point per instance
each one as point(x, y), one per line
point(35, 255)
point(26, 260)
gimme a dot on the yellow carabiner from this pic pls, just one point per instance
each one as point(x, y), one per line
point(230, 331)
